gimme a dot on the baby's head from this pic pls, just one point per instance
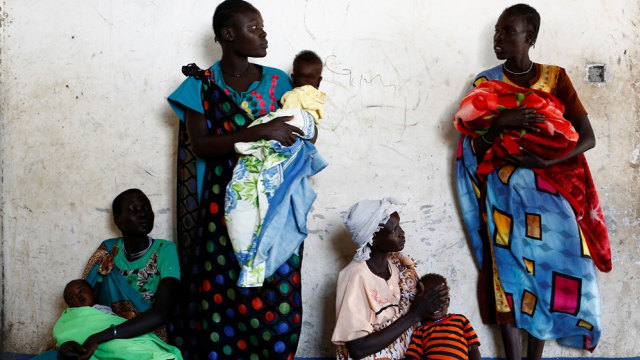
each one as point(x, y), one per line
point(307, 69)
point(428, 282)
point(78, 293)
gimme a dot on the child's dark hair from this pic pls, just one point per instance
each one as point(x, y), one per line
point(71, 282)
point(308, 56)
point(224, 15)
point(530, 15)
point(433, 279)
point(116, 206)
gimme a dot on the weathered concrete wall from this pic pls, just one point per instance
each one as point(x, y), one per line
point(2, 132)
point(84, 116)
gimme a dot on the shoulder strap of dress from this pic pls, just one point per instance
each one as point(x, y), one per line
point(110, 244)
point(220, 109)
point(193, 70)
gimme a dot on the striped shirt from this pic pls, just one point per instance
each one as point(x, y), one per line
point(448, 338)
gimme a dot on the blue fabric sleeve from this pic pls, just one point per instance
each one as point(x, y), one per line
point(187, 96)
point(495, 73)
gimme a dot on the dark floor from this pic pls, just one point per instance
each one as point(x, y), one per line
point(14, 356)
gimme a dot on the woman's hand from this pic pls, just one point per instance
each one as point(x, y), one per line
point(422, 306)
point(586, 141)
point(158, 315)
point(429, 303)
point(518, 119)
point(529, 160)
point(510, 119)
point(278, 129)
point(90, 347)
point(208, 146)
point(70, 350)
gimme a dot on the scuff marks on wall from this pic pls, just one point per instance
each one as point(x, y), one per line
point(635, 156)
point(91, 119)
point(3, 331)
point(4, 15)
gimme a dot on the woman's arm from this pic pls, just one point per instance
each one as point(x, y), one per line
point(378, 340)
point(586, 141)
point(421, 307)
point(207, 146)
point(522, 119)
point(146, 322)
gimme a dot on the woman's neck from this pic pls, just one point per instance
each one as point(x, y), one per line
point(520, 71)
point(518, 64)
point(379, 265)
point(135, 243)
point(236, 65)
point(238, 72)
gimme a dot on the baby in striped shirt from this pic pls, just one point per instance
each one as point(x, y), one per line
point(442, 335)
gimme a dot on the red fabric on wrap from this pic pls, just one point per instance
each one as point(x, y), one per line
point(556, 137)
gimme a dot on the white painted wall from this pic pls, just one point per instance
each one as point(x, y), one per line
point(84, 116)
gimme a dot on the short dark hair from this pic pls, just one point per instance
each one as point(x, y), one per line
point(225, 12)
point(433, 279)
point(307, 56)
point(116, 206)
point(70, 283)
point(530, 15)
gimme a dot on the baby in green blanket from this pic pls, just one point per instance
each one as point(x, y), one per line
point(84, 317)
point(78, 293)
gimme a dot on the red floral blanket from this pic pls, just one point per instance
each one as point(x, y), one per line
point(556, 138)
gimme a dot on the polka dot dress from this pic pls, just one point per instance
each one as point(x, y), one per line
point(229, 322)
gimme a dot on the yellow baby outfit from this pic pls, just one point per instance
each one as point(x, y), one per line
point(306, 98)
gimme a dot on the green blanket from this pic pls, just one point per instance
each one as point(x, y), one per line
point(76, 324)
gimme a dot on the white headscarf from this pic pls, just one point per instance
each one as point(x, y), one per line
point(365, 218)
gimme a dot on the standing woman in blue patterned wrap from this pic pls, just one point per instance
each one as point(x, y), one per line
point(217, 319)
point(535, 243)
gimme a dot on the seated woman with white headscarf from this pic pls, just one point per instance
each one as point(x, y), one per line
point(376, 303)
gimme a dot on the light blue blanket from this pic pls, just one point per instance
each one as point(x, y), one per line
point(268, 199)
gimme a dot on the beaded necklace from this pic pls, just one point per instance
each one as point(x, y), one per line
point(504, 66)
point(138, 254)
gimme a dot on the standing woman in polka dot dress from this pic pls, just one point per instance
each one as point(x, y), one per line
point(217, 319)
